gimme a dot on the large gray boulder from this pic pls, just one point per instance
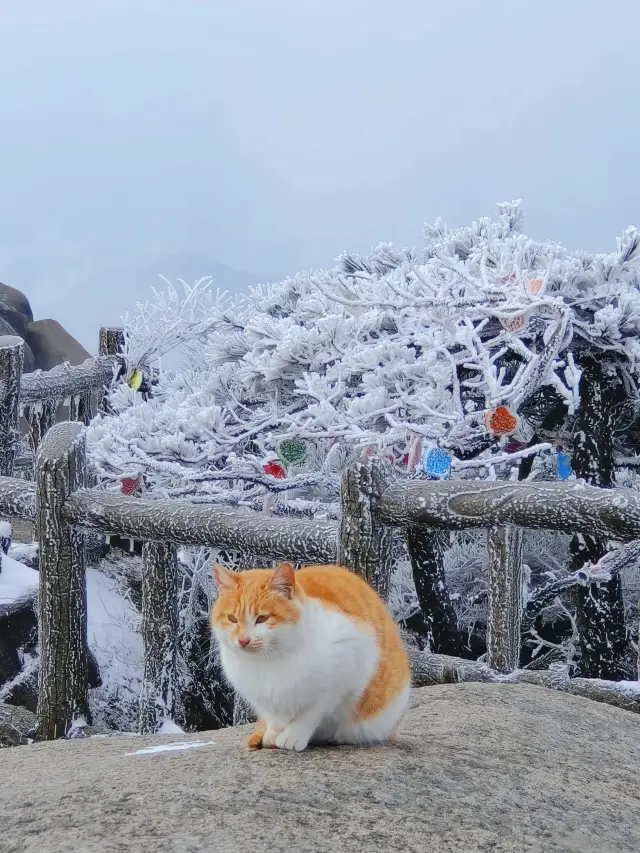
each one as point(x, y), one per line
point(47, 343)
point(52, 345)
point(15, 300)
point(18, 322)
point(6, 328)
point(16, 311)
point(491, 768)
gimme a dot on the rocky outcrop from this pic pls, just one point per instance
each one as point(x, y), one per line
point(478, 768)
point(51, 345)
point(16, 323)
point(15, 316)
point(47, 343)
point(14, 300)
point(28, 364)
point(17, 725)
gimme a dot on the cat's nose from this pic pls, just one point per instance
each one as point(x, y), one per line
point(244, 641)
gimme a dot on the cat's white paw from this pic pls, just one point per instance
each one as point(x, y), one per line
point(293, 738)
point(269, 738)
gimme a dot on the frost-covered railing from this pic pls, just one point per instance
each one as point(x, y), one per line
point(373, 503)
point(37, 395)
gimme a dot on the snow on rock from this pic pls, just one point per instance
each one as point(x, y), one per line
point(23, 552)
point(631, 688)
point(17, 581)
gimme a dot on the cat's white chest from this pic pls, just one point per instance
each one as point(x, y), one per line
point(325, 654)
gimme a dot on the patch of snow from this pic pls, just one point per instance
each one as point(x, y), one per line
point(5, 530)
point(30, 663)
point(77, 729)
point(23, 552)
point(171, 747)
point(16, 580)
point(168, 727)
point(631, 688)
point(113, 630)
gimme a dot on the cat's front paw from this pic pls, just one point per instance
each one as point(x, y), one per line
point(293, 738)
point(270, 737)
point(256, 738)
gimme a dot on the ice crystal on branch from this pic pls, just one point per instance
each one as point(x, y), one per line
point(171, 321)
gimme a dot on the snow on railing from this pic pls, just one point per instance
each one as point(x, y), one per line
point(37, 395)
point(372, 503)
point(186, 523)
point(67, 380)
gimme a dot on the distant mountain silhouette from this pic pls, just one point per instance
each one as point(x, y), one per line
point(108, 295)
point(191, 266)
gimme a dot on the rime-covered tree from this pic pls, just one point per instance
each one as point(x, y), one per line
point(489, 355)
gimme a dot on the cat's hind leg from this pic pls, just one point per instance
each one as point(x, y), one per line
point(379, 728)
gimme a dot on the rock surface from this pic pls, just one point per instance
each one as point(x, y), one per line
point(51, 345)
point(16, 321)
point(15, 300)
point(479, 769)
point(8, 327)
point(16, 314)
point(17, 725)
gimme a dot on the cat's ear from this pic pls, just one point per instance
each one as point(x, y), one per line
point(283, 581)
point(224, 578)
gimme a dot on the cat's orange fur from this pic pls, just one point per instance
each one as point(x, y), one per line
point(335, 587)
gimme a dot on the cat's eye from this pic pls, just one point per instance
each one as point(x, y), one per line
point(262, 618)
point(232, 618)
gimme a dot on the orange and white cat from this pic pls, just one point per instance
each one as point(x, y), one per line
point(314, 652)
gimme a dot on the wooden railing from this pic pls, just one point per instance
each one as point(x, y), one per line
point(373, 503)
point(37, 395)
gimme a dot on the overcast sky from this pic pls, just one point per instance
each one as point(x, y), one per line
point(269, 135)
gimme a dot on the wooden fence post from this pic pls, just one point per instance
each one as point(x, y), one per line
point(11, 357)
point(505, 597)
point(364, 545)
point(62, 595)
point(111, 343)
point(159, 634)
point(426, 547)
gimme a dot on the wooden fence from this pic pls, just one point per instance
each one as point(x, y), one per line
point(37, 396)
point(62, 503)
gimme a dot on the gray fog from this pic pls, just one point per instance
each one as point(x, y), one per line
point(253, 138)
